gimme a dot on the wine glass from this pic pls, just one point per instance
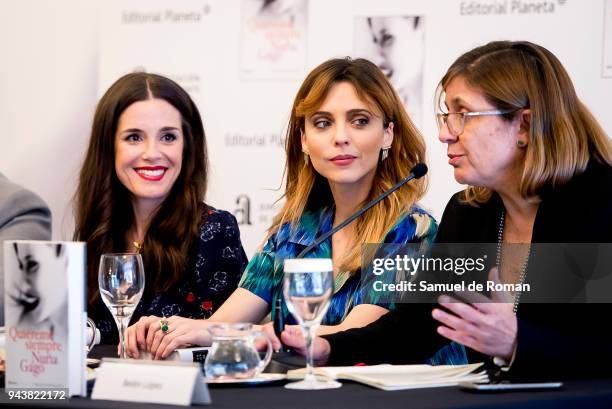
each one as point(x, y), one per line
point(121, 279)
point(307, 288)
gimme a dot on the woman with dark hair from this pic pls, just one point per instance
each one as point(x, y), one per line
point(349, 140)
point(141, 189)
point(539, 172)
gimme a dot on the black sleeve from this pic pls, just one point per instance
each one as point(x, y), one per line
point(464, 223)
point(407, 335)
point(562, 341)
point(233, 253)
point(448, 227)
point(223, 255)
point(569, 340)
point(404, 336)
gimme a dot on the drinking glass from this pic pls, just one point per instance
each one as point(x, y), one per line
point(121, 279)
point(92, 335)
point(233, 354)
point(307, 288)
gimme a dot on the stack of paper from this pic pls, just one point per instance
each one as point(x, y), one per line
point(398, 377)
point(193, 354)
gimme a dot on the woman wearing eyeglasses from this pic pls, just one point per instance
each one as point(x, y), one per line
point(538, 170)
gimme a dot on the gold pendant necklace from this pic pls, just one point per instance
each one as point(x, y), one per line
point(138, 246)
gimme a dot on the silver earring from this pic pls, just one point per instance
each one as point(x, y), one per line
point(305, 159)
point(520, 144)
point(385, 153)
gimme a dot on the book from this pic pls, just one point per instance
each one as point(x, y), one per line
point(45, 315)
point(400, 377)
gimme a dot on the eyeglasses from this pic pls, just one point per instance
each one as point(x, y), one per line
point(456, 120)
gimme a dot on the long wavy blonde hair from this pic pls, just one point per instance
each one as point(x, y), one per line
point(307, 190)
point(564, 135)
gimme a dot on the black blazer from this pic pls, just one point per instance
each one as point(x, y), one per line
point(554, 341)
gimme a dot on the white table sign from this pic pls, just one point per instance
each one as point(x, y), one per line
point(172, 383)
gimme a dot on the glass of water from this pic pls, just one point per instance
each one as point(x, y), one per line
point(307, 287)
point(121, 279)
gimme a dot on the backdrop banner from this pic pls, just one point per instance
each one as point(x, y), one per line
point(243, 60)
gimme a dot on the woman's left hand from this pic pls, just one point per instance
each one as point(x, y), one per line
point(487, 327)
point(181, 332)
point(268, 329)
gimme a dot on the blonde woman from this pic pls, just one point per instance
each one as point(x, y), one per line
point(349, 139)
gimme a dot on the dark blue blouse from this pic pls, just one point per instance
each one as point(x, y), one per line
point(214, 272)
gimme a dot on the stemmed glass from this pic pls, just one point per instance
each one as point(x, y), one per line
point(307, 288)
point(121, 279)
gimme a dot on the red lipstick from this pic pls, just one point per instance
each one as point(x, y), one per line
point(151, 173)
point(343, 160)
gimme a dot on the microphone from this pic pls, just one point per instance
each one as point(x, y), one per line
point(417, 172)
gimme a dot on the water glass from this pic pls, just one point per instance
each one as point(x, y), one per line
point(121, 279)
point(308, 287)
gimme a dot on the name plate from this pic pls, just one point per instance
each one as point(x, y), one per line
point(171, 383)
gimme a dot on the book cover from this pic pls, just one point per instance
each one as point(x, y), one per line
point(45, 315)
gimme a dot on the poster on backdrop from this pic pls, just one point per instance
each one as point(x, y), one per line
point(396, 44)
point(607, 41)
point(273, 38)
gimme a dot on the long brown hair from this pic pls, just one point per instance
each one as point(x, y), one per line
point(103, 210)
point(308, 190)
point(564, 135)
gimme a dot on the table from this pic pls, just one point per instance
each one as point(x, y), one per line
point(584, 394)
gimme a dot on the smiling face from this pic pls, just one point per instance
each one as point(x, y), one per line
point(344, 137)
point(149, 150)
point(485, 153)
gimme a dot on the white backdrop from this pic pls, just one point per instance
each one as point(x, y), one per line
point(59, 57)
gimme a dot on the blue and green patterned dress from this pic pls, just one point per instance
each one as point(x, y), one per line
point(264, 273)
